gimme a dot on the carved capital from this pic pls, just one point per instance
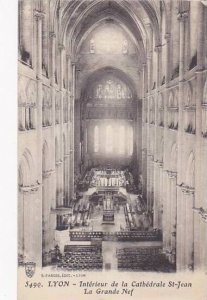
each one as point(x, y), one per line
point(74, 63)
point(68, 56)
point(52, 35)
point(158, 48)
point(61, 47)
point(47, 174)
point(38, 15)
point(167, 36)
point(58, 163)
point(29, 189)
point(182, 16)
point(187, 189)
point(172, 174)
point(201, 212)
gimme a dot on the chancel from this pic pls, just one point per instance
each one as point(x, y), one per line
point(112, 126)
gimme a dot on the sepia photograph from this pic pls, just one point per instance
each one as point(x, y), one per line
point(112, 148)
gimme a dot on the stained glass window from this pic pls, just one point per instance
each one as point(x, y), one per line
point(121, 139)
point(109, 139)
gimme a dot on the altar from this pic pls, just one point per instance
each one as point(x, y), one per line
point(108, 210)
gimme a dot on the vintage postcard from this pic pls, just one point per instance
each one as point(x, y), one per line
point(112, 149)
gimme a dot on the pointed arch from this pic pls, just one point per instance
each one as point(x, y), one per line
point(26, 169)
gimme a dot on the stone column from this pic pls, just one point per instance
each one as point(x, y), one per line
point(160, 210)
point(77, 137)
point(173, 216)
point(38, 18)
point(32, 225)
point(182, 241)
point(61, 167)
point(158, 50)
point(48, 221)
point(72, 128)
point(189, 229)
point(53, 95)
point(200, 170)
point(144, 131)
point(168, 212)
point(156, 204)
point(165, 217)
point(149, 181)
point(179, 241)
point(182, 18)
point(20, 223)
point(168, 58)
point(38, 67)
point(149, 54)
point(69, 129)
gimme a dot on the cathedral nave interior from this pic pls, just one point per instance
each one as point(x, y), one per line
point(112, 128)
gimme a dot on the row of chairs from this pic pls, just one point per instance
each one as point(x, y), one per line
point(81, 257)
point(119, 235)
point(139, 251)
point(82, 248)
point(142, 259)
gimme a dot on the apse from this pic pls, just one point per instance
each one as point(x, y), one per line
point(108, 117)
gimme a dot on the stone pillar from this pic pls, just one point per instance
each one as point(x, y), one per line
point(156, 204)
point(48, 221)
point(156, 170)
point(168, 212)
point(20, 223)
point(182, 231)
point(165, 217)
point(66, 178)
point(200, 170)
point(38, 67)
point(158, 50)
point(185, 239)
point(77, 137)
point(179, 242)
point(160, 210)
point(173, 216)
point(182, 18)
point(69, 76)
point(168, 58)
point(189, 230)
point(32, 225)
point(53, 95)
point(72, 128)
point(61, 167)
point(149, 54)
point(149, 181)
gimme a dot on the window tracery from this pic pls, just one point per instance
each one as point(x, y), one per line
point(111, 89)
point(125, 47)
point(92, 46)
